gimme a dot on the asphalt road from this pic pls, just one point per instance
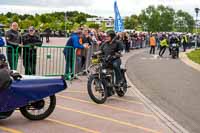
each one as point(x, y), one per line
point(171, 85)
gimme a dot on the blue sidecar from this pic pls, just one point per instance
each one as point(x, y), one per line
point(35, 98)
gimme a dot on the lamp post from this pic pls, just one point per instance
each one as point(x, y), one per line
point(65, 22)
point(196, 11)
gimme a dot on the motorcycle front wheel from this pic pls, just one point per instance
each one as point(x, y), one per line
point(97, 90)
point(39, 110)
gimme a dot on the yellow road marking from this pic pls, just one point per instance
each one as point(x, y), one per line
point(67, 91)
point(83, 92)
point(9, 130)
point(108, 106)
point(108, 119)
point(129, 101)
point(72, 125)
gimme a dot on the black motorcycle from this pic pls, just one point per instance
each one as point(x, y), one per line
point(102, 80)
point(174, 50)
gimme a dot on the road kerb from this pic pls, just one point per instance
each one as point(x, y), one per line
point(184, 58)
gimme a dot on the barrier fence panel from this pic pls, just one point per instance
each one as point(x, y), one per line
point(83, 61)
point(46, 61)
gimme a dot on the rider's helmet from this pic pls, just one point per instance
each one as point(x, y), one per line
point(111, 33)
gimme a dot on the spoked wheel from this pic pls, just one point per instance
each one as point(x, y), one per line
point(39, 110)
point(97, 90)
point(4, 115)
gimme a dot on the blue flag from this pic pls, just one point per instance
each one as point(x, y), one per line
point(119, 25)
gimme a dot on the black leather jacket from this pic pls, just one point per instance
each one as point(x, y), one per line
point(13, 37)
point(111, 49)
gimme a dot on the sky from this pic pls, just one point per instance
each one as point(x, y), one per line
point(102, 8)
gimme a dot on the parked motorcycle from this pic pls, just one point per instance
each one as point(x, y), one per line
point(102, 80)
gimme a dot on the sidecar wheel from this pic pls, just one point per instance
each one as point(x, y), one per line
point(4, 115)
point(37, 111)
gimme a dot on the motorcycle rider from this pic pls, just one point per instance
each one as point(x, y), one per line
point(111, 49)
point(174, 39)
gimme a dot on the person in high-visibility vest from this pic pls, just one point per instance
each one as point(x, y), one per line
point(163, 45)
point(152, 41)
point(184, 42)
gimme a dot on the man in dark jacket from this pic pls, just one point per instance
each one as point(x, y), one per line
point(112, 48)
point(13, 39)
point(30, 42)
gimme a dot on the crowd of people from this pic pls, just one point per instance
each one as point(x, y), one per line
point(86, 41)
point(85, 38)
point(15, 41)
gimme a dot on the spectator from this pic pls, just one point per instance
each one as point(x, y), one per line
point(184, 42)
point(126, 42)
point(47, 32)
point(74, 41)
point(13, 39)
point(152, 44)
point(30, 41)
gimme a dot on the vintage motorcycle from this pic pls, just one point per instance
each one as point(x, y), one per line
point(102, 80)
point(174, 50)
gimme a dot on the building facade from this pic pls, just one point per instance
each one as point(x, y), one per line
point(109, 22)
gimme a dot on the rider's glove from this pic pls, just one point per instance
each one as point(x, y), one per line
point(16, 76)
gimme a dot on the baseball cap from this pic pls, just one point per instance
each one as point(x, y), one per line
point(31, 28)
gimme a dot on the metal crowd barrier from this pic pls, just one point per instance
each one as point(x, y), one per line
point(46, 61)
point(86, 54)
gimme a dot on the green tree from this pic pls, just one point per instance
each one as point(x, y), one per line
point(166, 18)
point(184, 22)
point(131, 22)
point(157, 19)
point(80, 18)
point(15, 18)
point(3, 19)
point(95, 26)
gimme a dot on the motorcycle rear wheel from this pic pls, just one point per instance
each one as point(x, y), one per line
point(36, 107)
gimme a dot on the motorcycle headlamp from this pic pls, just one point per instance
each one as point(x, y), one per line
point(104, 71)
